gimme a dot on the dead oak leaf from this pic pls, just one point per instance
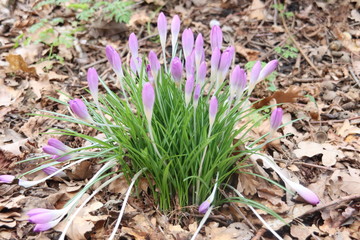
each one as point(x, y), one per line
point(289, 96)
point(17, 63)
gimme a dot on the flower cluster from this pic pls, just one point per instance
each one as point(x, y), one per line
point(179, 129)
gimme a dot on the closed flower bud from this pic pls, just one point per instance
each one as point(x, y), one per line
point(79, 109)
point(213, 108)
point(154, 64)
point(204, 206)
point(114, 60)
point(162, 28)
point(6, 178)
point(148, 98)
point(255, 71)
point(93, 83)
point(133, 45)
point(267, 70)
point(50, 170)
point(40, 227)
point(197, 93)
point(58, 144)
point(187, 42)
point(216, 37)
point(276, 118)
point(190, 65)
point(176, 69)
point(149, 74)
point(52, 150)
point(189, 86)
point(199, 49)
point(42, 215)
point(175, 29)
point(201, 73)
point(215, 60)
point(308, 195)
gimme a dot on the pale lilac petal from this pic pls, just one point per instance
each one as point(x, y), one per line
point(176, 69)
point(204, 207)
point(267, 70)
point(93, 82)
point(148, 98)
point(276, 118)
point(187, 42)
point(58, 144)
point(133, 45)
point(6, 178)
point(216, 37)
point(78, 107)
point(175, 29)
point(213, 107)
point(52, 150)
point(305, 193)
point(255, 71)
point(162, 28)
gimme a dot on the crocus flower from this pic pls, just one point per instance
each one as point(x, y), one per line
point(213, 108)
point(197, 92)
point(216, 37)
point(50, 170)
point(79, 109)
point(133, 45)
point(114, 60)
point(52, 151)
point(234, 81)
point(176, 69)
point(154, 64)
point(187, 42)
point(255, 71)
point(276, 118)
point(267, 70)
point(215, 60)
point(93, 83)
point(189, 86)
point(135, 64)
point(40, 227)
point(42, 215)
point(148, 98)
point(162, 28)
point(305, 193)
point(175, 29)
point(190, 65)
point(59, 145)
point(6, 178)
point(204, 206)
point(224, 65)
point(199, 49)
point(150, 76)
point(201, 73)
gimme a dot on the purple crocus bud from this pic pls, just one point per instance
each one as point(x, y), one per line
point(154, 64)
point(204, 206)
point(62, 158)
point(190, 65)
point(42, 215)
point(162, 28)
point(216, 37)
point(133, 66)
point(93, 83)
point(6, 178)
point(50, 170)
point(114, 60)
point(215, 60)
point(201, 73)
point(79, 109)
point(199, 49)
point(53, 142)
point(255, 71)
point(276, 118)
point(197, 93)
point(187, 42)
point(175, 29)
point(148, 98)
point(213, 108)
point(133, 45)
point(189, 86)
point(226, 59)
point(150, 76)
point(176, 69)
point(235, 81)
point(267, 70)
point(305, 193)
point(46, 226)
point(52, 150)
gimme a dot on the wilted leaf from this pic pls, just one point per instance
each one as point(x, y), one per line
point(17, 63)
point(289, 96)
point(257, 10)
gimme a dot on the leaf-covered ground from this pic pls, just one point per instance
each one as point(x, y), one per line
point(318, 47)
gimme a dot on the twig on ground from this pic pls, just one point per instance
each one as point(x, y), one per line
point(307, 164)
point(335, 121)
point(297, 45)
point(354, 76)
point(259, 234)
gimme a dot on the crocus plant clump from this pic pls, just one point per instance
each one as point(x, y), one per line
point(172, 123)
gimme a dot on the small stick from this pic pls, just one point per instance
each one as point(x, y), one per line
point(297, 45)
point(335, 121)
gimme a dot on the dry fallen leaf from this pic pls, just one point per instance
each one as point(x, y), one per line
point(310, 149)
point(257, 10)
point(249, 54)
point(235, 231)
point(288, 96)
point(17, 63)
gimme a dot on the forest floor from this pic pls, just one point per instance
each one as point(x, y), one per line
point(46, 49)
